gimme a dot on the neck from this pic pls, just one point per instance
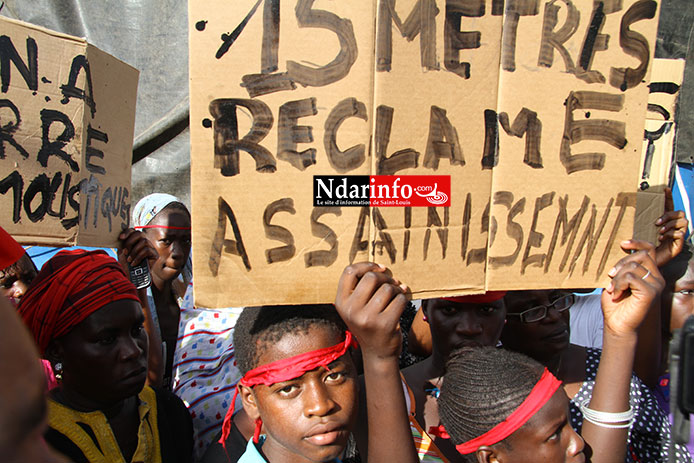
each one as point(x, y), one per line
point(437, 364)
point(160, 286)
point(274, 452)
point(80, 403)
point(553, 363)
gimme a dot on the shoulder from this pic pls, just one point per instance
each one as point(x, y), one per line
point(175, 426)
point(235, 446)
point(64, 445)
point(252, 454)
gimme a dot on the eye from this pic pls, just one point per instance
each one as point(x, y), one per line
point(138, 329)
point(335, 376)
point(686, 292)
point(8, 282)
point(449, 310)
point(556, 436)
point(106, 340)
point(289, 390)
point(486, 310)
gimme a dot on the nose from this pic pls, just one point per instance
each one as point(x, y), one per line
point(553, 315)
point(576, 443)
point(19, 288)
point(317, 399)
point(132, 348)
point(468, 325)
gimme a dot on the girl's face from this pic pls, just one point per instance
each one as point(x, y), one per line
point(172, 244)
point(547, 436)
point(307, 419)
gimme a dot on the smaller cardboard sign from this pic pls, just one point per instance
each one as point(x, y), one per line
point(658, 146)
point(67, 117)
point(659, 135)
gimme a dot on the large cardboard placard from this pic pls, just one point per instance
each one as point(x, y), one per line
point(535, 109)
point(67, 116)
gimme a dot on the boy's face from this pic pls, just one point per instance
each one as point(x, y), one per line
point(307, 419)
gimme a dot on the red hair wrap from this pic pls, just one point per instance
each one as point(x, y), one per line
point(10, 250)
point(71, 286)
point(538, 397)
point(285, 370)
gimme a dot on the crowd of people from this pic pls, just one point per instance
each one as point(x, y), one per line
point(100, 371)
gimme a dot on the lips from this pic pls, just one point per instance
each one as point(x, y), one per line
point(468, 343)
point(135, 374)
point(557, 336)
point(325, 434)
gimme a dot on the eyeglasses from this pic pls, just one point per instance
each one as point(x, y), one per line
point(540, 312)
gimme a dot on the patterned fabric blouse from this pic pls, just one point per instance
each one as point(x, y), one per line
point(649, 438)
point(205, 372)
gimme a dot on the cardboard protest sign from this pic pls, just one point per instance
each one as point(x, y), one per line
point(658, 145)
point(534, 114)
point(573, 92)
point(67, 115)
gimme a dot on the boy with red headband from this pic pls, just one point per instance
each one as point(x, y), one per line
point(300, 383)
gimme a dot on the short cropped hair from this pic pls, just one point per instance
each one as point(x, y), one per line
point(481, 388)
point(677, 267)
point(257, 327)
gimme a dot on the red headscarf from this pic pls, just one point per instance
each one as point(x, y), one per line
point(71, 286)
point(10, 250)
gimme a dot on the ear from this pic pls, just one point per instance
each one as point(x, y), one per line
point(425, 309)
point(54, 352)
point(249, 402)
point(487, 454)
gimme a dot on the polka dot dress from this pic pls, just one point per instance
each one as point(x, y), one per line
point(649, 437)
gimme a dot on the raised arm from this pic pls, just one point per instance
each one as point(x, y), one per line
point(134, 246)
point(635, 284)
point(370, 302)
point(673, 226)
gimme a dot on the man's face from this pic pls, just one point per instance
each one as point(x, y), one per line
point(682, 298)
point(455, 324)
point(541, 339)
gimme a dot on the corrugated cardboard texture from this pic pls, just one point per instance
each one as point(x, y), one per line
point(504, 103)
point(659, 136)
point(67, 115)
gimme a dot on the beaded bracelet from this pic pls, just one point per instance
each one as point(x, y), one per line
point(607, 419)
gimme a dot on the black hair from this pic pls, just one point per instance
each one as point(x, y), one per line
point(482, 386)
point(24, 269)
point(176, 205)
point(258, 327)
point(677, 267)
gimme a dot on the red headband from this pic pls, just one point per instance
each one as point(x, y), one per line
point(538, 397)
point(489, 296)
point(285, 370)
point(140, 227)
